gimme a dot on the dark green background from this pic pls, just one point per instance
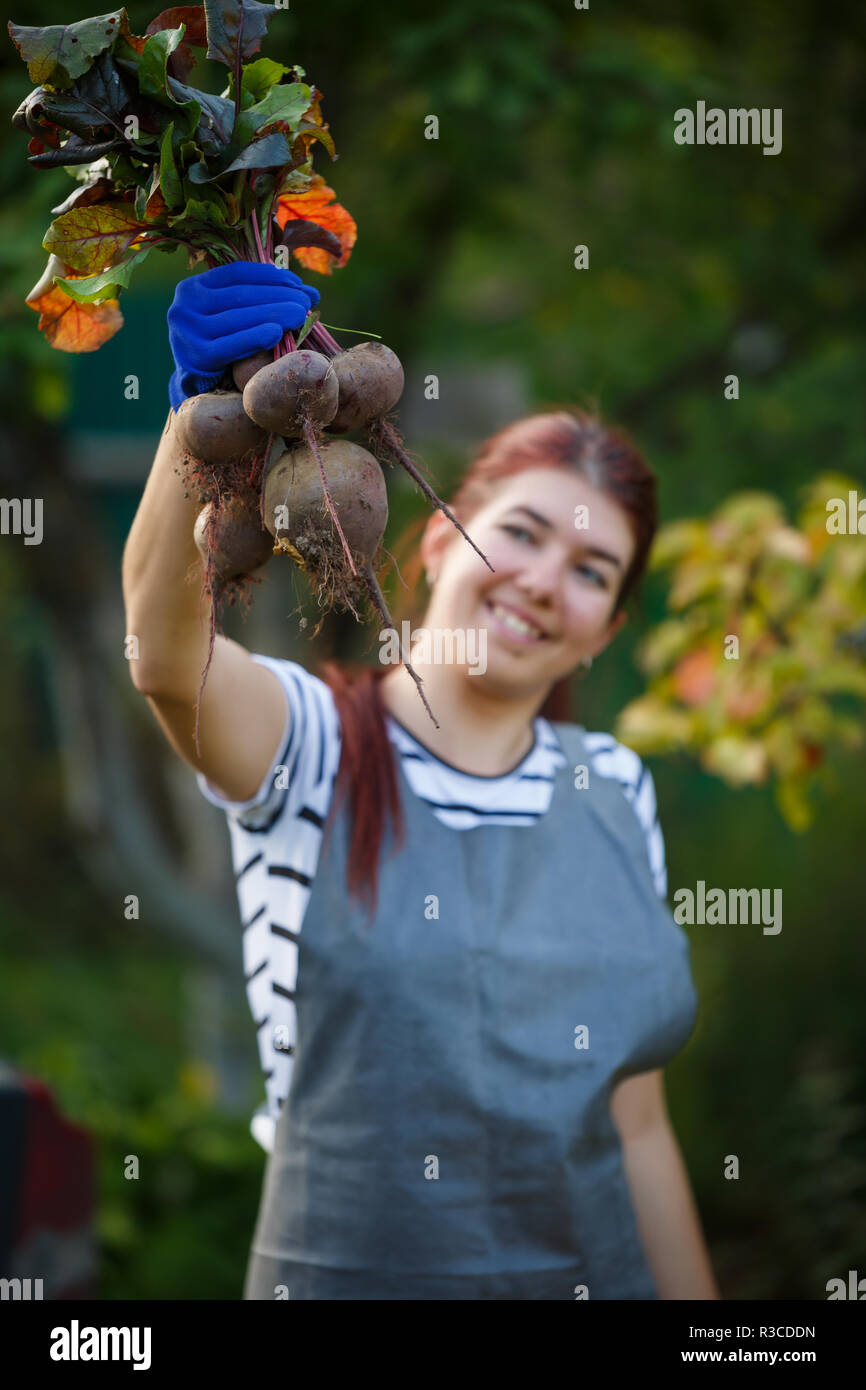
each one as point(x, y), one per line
point(556, 128)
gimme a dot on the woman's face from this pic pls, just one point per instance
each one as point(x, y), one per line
point(560, 549)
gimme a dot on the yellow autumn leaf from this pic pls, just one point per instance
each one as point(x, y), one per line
point(738, 761)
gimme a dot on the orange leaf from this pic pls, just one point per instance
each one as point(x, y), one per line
point(48, 139)
point(73, 327)
point(136, 41)
point(155, 207)
point(694, 678)
point(316, 205)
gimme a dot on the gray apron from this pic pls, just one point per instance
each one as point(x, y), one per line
point(447, 1132)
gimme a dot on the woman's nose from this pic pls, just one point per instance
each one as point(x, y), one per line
point(542, 577)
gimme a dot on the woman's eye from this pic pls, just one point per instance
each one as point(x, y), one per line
point(596, 575)
point(521, 532)
point(514, 530)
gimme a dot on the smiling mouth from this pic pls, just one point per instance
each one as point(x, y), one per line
point(515, 625)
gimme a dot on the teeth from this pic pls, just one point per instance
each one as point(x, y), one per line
point(516, 624)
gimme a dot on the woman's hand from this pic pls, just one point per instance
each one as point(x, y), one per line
point(227, 313)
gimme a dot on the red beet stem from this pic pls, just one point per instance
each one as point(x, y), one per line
point(315, 339)
point(258, 236)
point(392, 440)
point(324, 340)
point(310, 436)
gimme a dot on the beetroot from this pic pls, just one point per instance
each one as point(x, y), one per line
point(231, 539)
point(301, 489)
point(216, 428)
point(383, 435)
point(248, 366)
point(371, 380)
point(294, 498)
point(297, 388)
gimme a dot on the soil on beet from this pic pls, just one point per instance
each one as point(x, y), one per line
point(209, 482)
point(318, 552)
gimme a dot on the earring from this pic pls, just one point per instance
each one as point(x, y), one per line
point(585, 663)
point(430, 579)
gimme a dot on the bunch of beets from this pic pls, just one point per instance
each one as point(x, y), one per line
point(162, 164)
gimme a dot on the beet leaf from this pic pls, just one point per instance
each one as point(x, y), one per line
point(161, 163)
point(182, 60)
point(92, 238)
point(235, 29)
point(94, 289)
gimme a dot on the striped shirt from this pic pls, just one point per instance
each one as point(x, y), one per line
point(276, 838)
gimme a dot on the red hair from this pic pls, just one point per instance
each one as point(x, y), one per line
point(570, 439)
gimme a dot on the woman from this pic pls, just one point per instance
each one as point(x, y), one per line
point(462, 970)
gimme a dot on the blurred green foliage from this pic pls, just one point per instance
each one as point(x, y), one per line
point(103, 1027)
point(555, 129)
point(759, 667)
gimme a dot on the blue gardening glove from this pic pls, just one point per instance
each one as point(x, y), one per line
point(227, 313)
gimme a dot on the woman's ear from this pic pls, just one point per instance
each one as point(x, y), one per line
point(434, 540)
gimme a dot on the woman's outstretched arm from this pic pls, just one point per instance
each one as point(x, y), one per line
point(244, 707)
